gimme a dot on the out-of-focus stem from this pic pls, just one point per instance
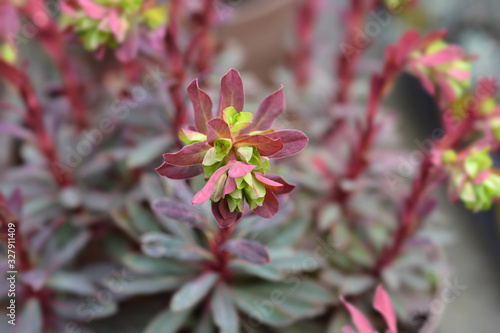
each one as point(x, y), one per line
point(306, 18)
point(34, 118)
point(52, 41)
point(358, 158)
point(409, 222)
point(346, 64)
point(176, 66)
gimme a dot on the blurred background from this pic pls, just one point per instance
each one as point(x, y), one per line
point(261, 27)
point(261, 33)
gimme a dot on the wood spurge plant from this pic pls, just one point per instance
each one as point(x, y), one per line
point(143, 189)
point(233, 150)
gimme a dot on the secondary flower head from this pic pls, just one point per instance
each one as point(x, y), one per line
point(233, 149)
point(472, 177)
point(10, 28)
point(443, 69)
point(114, 23)
point(398, 5)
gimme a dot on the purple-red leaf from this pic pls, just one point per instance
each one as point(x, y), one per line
point(17, 132)
point(269, 207)
point(362, 324)
point(178, 211)
point(240, 169)
point(15, 202)
point(269, 110)
point(293, 142)
point(92, 9)
point(202, 105)
point(287, 188)
point(451, 53)
point(248, 250)
point(179, 172)
point(268, 183)
point(223, 216)
point(205, 193)
point(189, 155)
point(382, 303)
point(127, 51)
point(265, 145)
point(231, 92)
point(229, 187)
point(218, 128)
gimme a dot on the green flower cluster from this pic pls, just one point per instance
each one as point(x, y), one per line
point(473, 178)
point(8, 53)
point(246, 187)
point(107, 22)
point(446, 67)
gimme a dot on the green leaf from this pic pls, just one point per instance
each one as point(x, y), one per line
point(292, 299)
point(70, 282)
point(223, 310)
point(162, 245)
point(116, 246)
point(123, 221)
point(30, 320)
point(338, 321)
point(314, 293)
point(147, 151)
point(266, 272)
point(328, 216)
point(222, 147)
point(193, 292)
point(69, 250)
point(190, 137)
point(360, 254)
point(245, 153)
point(205, 324)
point(241, 120)
point(289, 234)
point(259, 312)
point(167, 321)
point(151, 187)
point(147, 265)
point(148, 285)
point(142, 218)
point(287, 260)
point(354, 284)
point(79, 310)
point(156, 16)
point(228, 115)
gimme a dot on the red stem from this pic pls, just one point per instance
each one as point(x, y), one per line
point(306, 18)
point(409, 221)
point(52, 41)
point(34, 118)
point(347, 64)
point(205, 39)
point(358, 160)
point(176, 66)
point(222, 257)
